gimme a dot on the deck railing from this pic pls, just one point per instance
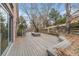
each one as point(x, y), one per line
point(54, 29)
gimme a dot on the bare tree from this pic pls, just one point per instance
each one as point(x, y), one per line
point(38, 16)
point(45, 10)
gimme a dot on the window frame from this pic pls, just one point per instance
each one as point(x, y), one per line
point(9, 19)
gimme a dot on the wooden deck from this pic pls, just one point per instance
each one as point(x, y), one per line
point(33, 46)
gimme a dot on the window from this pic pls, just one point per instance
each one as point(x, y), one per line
point(5, 29)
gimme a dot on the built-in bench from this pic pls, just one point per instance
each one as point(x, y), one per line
point(63, 44)
point(35, 34)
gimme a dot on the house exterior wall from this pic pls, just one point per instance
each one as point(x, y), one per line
point(14, 12)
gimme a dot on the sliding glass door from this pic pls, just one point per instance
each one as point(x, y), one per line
point(5, 29)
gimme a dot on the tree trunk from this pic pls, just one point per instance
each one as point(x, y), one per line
point(36, 29)
point(68, 10)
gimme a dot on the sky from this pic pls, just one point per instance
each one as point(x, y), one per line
point(58, 6)
point(22, 6)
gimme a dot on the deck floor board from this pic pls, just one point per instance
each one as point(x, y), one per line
point(33, 46)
